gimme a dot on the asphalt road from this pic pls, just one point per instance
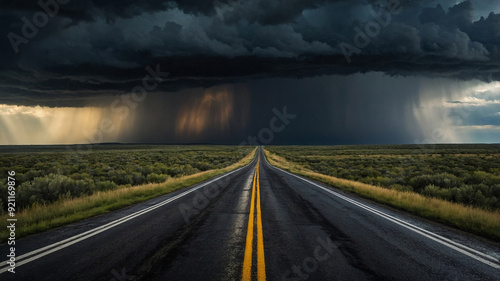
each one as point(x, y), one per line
point(254, 223)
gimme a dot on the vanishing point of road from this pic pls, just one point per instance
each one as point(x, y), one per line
point(255, 223)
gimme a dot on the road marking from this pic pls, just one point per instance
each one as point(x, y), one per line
point(36, 254)
point(261, 264)
point(482, 257)
point(247, 262)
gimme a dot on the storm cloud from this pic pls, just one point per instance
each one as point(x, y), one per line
point(91, 48)
point(357, 71)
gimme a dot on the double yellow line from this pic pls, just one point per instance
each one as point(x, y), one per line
point(247, 263)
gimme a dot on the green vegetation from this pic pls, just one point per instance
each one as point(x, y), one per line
point(48, 174)
point(467, 174)
point(432, 200)
point(58, 199)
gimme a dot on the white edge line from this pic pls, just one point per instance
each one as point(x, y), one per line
point(442, 240)
point(82, 236)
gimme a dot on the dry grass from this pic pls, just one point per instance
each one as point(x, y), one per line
point(466, 218)
point(39, 218)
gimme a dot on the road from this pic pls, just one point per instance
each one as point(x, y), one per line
point(256, 223)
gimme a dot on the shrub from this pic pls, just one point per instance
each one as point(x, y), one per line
point(369, 172)
point(105, 185)
point(442, 180)
point(495, 190)
point(50, 188)
point(203, 166)
point(120, 177)
point(31, 174)
point(82, 187)
point(468, 195)
point(47, 189)
point(160, 168)
point(399, 187)
point(137, 178)
point(82, 176)
point(434, 191)
point(43, 190)
point(156, 178)
point(175, 171)
point(481, 177)
point(189, 170)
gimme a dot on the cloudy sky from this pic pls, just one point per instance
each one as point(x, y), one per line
point(229, 71)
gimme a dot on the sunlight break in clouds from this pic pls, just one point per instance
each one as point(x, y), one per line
point(62, 125)
point(453, 111)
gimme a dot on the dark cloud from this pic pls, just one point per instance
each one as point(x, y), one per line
point(327, 110)
point(93, 48)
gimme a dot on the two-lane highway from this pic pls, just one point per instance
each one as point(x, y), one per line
point(256, 223)
point(318, 233)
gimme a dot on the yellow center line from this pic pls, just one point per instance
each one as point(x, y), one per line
point(247, 263)
point(261, 265)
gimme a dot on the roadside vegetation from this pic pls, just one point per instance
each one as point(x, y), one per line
point(458, 185)
point(46, 174)
point(65, 192)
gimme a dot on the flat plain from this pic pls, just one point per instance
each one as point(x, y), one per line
point(468, 174)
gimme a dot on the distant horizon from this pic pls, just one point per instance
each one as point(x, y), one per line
point(229, 144)
point(295, 72)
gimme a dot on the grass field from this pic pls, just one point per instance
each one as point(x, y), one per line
point(467, 174)
point(322, 163)
point(52, 202)
point(46, 174)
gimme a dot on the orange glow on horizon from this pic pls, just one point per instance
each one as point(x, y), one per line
point(214, 110)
